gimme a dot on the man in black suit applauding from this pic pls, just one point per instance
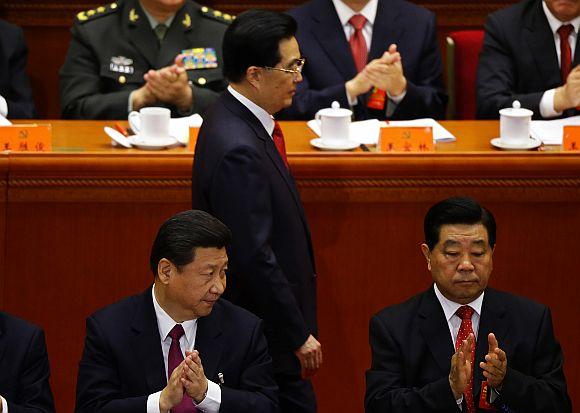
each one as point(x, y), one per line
point(460, 345)
point(177, 346)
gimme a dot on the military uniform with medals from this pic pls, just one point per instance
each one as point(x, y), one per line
point(113, 46)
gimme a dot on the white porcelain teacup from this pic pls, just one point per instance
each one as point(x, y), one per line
point(334, 124)
point(514, 124)
point(151, 123)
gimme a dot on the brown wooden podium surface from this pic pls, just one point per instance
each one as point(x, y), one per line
point(77, 225)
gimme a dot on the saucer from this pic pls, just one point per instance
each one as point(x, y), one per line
point(531, 144)
point(345, 145)
point(152, 144)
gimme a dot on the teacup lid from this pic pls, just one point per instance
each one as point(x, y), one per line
point(516, 111)
point(335, 111)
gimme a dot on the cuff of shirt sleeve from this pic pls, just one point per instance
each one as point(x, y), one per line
point(460, 402)
point(397, 99)
point(213, 399)
point(3, 107)
point(547, 105)
point(351, 101)
point(153, 403)
point(130, 103)
point(393, 102)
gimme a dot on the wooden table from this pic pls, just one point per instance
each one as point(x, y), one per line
point(78, 224)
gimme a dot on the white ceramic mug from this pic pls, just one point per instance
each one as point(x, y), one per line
point(334, 123)
point(514, 124)
point(151, 123)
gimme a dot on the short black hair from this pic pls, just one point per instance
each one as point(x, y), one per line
point(180, 235)
point(253, 39)
point(457, 210)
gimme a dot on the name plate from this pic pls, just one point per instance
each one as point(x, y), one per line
point(571, 140)
point(193, 132)
point(407, 139)
point(26, 138)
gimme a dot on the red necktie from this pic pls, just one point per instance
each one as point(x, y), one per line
point(278, 137)
point(565, 51)
point(358, 45)
point(465, 312)
point(174, 359)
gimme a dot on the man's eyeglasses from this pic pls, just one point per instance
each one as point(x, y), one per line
point(295, 69)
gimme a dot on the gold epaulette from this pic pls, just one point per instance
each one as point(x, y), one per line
point(216, 15)
point(85, 16)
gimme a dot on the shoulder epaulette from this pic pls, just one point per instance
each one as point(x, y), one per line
point(216, 15)
point(85, 16)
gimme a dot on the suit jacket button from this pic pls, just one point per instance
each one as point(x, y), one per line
point(122, 80)
point(202, 81)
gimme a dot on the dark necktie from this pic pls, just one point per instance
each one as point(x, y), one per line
point(358, 45)
point(160, 31)
point(465, 312)
point(278, 138)
point(565, 51)
point(174, 359)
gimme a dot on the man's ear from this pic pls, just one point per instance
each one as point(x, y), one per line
point(427, 254)
point(165, 270)
point(254, 76)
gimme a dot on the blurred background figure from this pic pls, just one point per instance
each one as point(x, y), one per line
point(15, 93)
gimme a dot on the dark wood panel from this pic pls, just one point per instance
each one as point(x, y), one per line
point(79, 227)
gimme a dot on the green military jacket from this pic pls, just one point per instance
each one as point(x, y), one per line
point(113, 46)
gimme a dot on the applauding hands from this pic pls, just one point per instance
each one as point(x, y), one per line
point(169, 85)
point(188, 378)
point(385, 73)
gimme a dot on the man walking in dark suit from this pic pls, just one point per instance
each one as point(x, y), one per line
point(130, 54)
point(529, 54)
point(379, 56)
point(15, 94)
point(461, 346)
point(241, 175)
point(24, 369)
point(177, 346)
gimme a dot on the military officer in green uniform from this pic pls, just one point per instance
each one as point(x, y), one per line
point(137, 53)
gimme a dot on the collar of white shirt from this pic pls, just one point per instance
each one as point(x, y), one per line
point(345, 13)
point(450, 307)
point(264, 117)
point(152, 22)
point(555, 23)
point(165, 323)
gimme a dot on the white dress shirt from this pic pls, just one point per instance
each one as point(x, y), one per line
point(213, 398)
point(3, 107)
point(264, 117)
point(547, 102)
point(369, 11)
point(4, 405)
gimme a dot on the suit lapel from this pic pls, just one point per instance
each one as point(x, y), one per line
point(540, 39)
point(146, 342)
point(239, 109)
point(435, 330)
point(329, 33)
point(209, 342)
point(385, 29)
point(493, 320)
point(139, 32)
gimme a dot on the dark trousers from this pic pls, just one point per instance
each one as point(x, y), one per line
point(296, 395)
